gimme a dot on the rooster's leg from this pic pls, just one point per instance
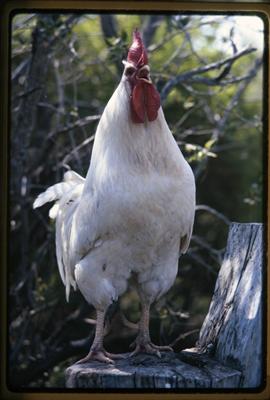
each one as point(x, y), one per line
point(97, 351)
point(143, 342)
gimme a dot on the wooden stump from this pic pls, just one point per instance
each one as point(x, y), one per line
point(147, 371)
point(229, 350)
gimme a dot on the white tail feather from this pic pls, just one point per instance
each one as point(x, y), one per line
point(54, 192)
point(54, 210)
point(66, 195)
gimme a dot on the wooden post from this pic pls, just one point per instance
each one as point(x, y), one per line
point(233, 325)
point(229, 350)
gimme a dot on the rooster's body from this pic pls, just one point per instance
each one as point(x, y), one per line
point(131, 216)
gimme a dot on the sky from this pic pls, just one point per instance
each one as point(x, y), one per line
point(248, 31)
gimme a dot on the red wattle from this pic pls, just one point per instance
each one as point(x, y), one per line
point(138, 104)
point(152, 101)
point(145, 102)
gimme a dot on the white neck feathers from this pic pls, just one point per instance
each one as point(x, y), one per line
point(123, 144)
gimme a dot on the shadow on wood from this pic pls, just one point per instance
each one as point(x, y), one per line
point(228, 353)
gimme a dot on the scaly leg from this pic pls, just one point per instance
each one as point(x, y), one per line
point(97, 351)
point(143, 342)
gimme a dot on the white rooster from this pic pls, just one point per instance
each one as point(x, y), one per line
point(134, 211)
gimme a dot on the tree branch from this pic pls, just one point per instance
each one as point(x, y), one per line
point(219, 215)
point(75, 150)
point(78, 124)
point(186, 76)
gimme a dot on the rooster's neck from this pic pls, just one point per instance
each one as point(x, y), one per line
point(123, 146)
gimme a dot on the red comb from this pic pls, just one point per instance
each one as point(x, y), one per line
point(137, 54)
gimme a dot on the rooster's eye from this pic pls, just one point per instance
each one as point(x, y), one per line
point(129, 71)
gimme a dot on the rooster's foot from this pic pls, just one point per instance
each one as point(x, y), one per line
point(148, 347)
point(100, 355)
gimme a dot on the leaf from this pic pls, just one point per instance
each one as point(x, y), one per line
point(209, 143)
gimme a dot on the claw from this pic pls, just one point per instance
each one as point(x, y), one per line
point(132, 345)
point(157, 353)
point(163, 348)
point(114, 356)
point(96, 356)
point(102, 356)
point(148, 348)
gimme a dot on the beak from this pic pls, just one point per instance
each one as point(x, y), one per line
point(143, 74)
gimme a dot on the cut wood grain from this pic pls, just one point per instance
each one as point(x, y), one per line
point(228, 353)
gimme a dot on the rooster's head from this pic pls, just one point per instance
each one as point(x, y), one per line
point(144, 97)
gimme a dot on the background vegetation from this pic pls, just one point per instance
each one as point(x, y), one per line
point(64, 69)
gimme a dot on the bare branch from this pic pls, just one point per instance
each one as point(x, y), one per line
point(78, 124)
point(183, 336)
point(149, 28)
point(76, 149)
point(216, 81)
point(219, 215)
point(186, 76)
point(216, 255)
point(218, 131)
point(20, 68)
point(109, 26)
point(196, 257)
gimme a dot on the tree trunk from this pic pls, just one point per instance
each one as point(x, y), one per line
point(23, 126)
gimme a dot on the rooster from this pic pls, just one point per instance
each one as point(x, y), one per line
point(133, 213)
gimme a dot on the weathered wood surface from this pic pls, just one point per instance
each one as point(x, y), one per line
point(229, 350)
point(232, 329)
point(147, 371)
